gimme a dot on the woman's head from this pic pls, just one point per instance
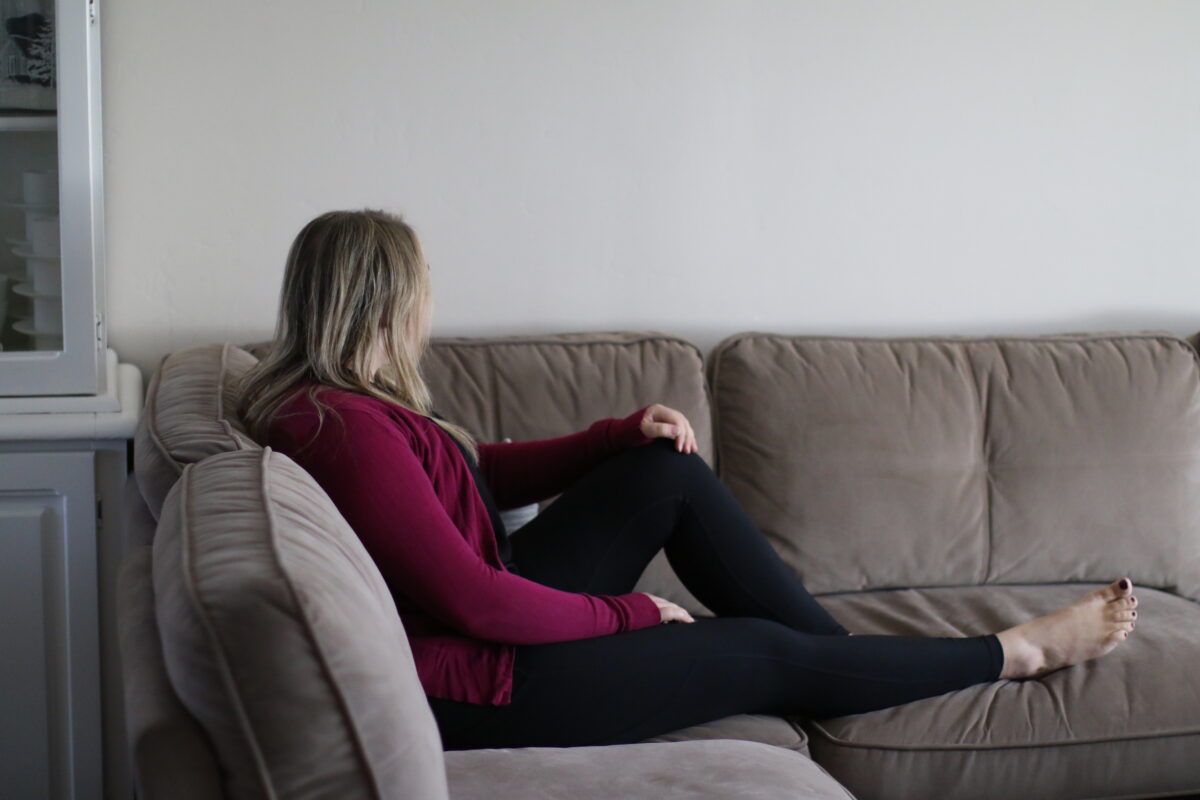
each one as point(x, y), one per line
point(355, 282)
point(354, 313)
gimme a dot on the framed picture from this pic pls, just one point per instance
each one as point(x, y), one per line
point(27, 53)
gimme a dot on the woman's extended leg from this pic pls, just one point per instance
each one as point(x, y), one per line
point(631, 686)
point(600, 534)
point(627, 687)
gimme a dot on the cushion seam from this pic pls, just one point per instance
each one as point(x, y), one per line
point(1164, 337)
point(222, 372)
point(152, 418)
point(189, 582)
point(348, 716)
point(985, 439)
point(221, 369)
point(599, 339)
point(923, 587)
point(979, 747)
point(712, 383)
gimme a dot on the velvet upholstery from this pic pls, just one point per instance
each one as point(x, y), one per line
point(1125, 725)
point(945, 461)
point(921, 486)
point(188, 415)
point(681, 771)
point(282, 640)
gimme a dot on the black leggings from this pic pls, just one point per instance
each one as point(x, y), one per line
point(771, 648)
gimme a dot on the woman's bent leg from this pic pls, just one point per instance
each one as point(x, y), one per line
point(600, 534)
point(632, 686)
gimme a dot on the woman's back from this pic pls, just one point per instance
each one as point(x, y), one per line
point(407, 491)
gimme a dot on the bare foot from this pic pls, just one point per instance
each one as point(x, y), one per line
point(1088, 628)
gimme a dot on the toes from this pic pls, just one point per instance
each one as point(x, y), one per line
point(1125, 603)
point(1116, 637)
point(1123, 616)
point(1122, 587)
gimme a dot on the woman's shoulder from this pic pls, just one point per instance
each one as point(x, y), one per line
point(309, 401)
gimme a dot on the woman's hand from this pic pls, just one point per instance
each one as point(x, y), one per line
point(667, 422)
point(669, 611)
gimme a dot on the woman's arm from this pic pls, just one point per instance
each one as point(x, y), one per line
point(519, 473)
point(369, 469)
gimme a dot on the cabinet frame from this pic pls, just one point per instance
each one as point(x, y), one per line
point(79, 368)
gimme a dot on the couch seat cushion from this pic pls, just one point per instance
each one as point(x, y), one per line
point(1124, 725)
point(717, 769)
point(766, 728)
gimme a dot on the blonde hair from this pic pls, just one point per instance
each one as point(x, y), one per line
point(352, 277)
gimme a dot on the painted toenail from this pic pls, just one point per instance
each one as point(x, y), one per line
point(1135, 613)
point(1124, 584)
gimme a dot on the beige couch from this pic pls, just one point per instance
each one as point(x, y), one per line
point(937, 486)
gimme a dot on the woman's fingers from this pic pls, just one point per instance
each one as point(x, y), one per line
point(661, 429)
point(674, 613)
point(668, 611)
point(663, 422)
point(687, 441)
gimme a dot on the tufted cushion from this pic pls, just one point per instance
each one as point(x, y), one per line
point(532, 387)
point(876, 463)
point(188, 415)
point(281, 638)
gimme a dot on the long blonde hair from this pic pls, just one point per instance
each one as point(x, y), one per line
point(352, 277)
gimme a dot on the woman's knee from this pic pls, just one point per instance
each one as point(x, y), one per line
point(659, 460)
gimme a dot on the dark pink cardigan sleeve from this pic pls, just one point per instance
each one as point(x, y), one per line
point(369, 469)
point(520, 473)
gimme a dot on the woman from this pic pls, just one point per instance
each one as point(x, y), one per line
point(540, 640)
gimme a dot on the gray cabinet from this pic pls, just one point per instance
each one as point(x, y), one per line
point(67, 412)
point(62, 474)
point(49, 677)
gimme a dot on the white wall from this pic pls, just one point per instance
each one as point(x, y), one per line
point(696, 166)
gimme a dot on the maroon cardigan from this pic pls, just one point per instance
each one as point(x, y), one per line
point(403, 485)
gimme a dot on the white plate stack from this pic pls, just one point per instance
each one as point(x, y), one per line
point(40, 249)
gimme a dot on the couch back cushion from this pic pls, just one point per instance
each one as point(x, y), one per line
point(281, 639)
point(533, 387)
point(879, 463)
point(188, 415)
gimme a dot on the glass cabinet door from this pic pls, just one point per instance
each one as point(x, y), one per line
point(51, 215)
